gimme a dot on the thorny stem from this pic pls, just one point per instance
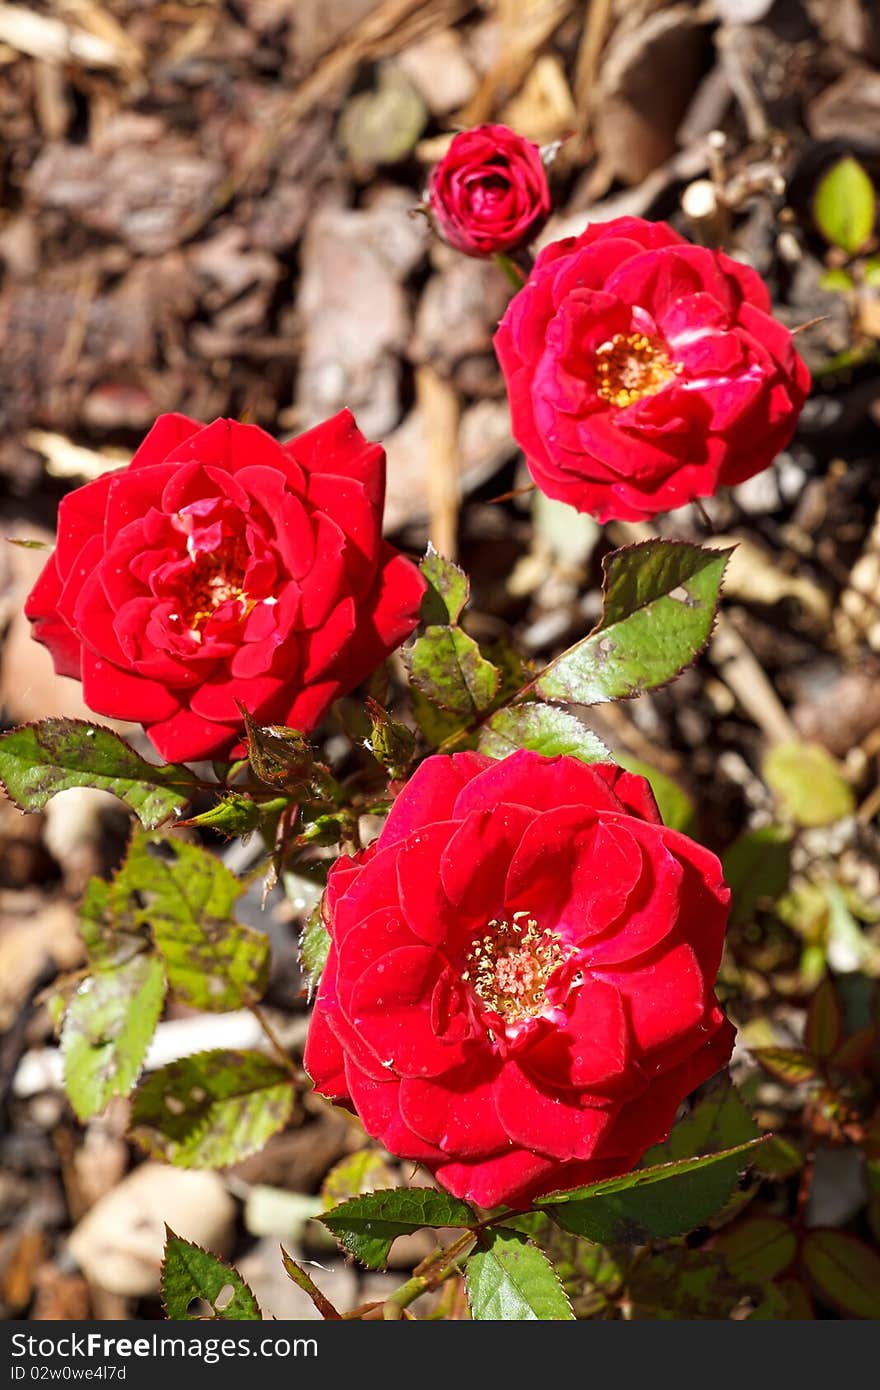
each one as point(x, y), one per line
point(430, 1274)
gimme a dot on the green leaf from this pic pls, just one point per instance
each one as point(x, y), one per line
point(668, 1200)
point(107, 1031)
point(391, 743)
point(824, 1026)
point(836, 280)
point(720, 1120)
point(788, 1064)
point(211, 1109)
point(438, 725)
point(543, 729)
point(675, 806)
point(659, 606)
point(757, 868)
point(447, 592)
point(844, 1270)
point(363, 1171)
point(212, 962)
point(843, 205)
point(190, 1273)
point(447, 666)
point(807, 783)
point(511, 1280)
point(682, 1284)
point(758, 1248)
point(111, 921)
point(367, 1225)
point(314, 947)
point(38, 760)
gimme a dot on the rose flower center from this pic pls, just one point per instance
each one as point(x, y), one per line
point(508, 968)
point(630, 366)
point(214, 578)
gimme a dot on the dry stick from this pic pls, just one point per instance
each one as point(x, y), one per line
point(438, 403)
point(525, 29)
point(385, 26)
point(587, 65)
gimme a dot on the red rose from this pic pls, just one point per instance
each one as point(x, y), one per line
point(222, 566)
point(489, 193)
point(643, 371)
point(519, 990)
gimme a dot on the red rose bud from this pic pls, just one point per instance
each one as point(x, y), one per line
point(644, 372)
point(489, 193)
point(221, 566)
point(519, 990)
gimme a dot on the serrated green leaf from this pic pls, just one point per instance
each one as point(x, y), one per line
point(190, 1273)
point(447, 592)
point(447, 666)
point(758, 1248)
point(675, 806)
point(807, 783)
point(591, 1274)
point(314, 947)
point(789, 1064)
point(756, 868)
point(668, 1200)
point(367, 1225)
point(107, 1030)
point(365, 1170)
point(543, 729)
point(508, 1279)
point(38, 760)
point(212, 962)
point(682, 1284)
point(438, 725)
point(844, 1270)
point(844, 205)
point(720, 1120)
point(211, 1109)
point(659, 606)
point(824, 1026)
point(112, 924)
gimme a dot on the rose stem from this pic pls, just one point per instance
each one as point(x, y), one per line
point(511, 270)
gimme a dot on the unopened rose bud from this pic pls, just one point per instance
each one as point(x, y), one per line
point(489, 193)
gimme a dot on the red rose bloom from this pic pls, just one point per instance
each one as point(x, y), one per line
point(489, 193)
point(643, 371)
point(220, 566)
point(519, 990)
